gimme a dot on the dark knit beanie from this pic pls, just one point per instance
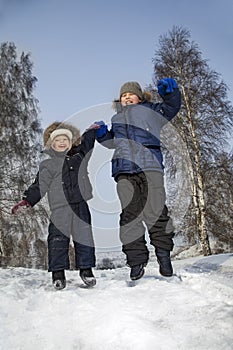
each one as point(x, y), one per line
point(133, 87)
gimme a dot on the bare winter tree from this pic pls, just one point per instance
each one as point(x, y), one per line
point(20, 135)
point(203, 124)
point(218, 179)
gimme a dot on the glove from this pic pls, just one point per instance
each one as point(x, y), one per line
point(22, 205)
point(166, 86)
point(102, 130)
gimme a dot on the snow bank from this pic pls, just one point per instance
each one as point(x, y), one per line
point(192, 310)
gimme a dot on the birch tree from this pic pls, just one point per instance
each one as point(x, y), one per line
point(218, 179)
point(203, 122)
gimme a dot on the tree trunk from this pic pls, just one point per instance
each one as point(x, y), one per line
point(203, 235)
point(1, 240)
point(198, 190)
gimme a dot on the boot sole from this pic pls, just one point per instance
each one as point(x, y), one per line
point(165, 274)
point(139, 276)
point(89, 283)
point(59, 285)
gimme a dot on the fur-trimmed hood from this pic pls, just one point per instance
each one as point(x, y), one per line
point(147, 96)
point(58, 125)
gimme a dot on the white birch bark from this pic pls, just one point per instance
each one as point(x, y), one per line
point(198, 192)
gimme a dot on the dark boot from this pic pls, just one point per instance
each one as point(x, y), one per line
point(137, 271)
point(163, 258)
point(59, 280)
point(88, 277)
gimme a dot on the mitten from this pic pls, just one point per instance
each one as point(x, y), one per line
point(22, 205)
point(166, 86)
point(102, 130)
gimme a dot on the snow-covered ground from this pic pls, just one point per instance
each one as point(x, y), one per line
point(193, 310)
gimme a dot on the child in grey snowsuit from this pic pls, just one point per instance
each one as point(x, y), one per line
point(64, 178)
point(137, 167)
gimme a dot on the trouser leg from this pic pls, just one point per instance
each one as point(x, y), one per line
point(58, 249)
point(132, 230)
point(161, 233)
point(155, 213)
point(83, 236)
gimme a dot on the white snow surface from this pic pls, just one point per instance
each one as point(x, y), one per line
point(192, 310)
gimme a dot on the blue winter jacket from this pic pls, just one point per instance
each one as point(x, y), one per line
point(135, 134)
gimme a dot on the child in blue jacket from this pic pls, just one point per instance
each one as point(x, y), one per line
point(137, 167)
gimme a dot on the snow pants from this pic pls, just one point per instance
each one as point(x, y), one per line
point(67, 221)
point(142, 198)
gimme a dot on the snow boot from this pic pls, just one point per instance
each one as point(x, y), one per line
point(163, 258)
point(59, 280)
point(137, 271)
point(88, 277)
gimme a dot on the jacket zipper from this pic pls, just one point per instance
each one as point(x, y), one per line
point(126, 112)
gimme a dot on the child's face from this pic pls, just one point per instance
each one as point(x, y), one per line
point(61, 143)
point(129, 98)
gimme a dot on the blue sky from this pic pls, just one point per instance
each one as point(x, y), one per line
point(84, 50)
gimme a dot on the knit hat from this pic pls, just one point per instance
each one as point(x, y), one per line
point(59, 132)
point(133, 87)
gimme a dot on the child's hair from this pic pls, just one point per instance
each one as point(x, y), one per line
point(146, 96)
point(58, 125)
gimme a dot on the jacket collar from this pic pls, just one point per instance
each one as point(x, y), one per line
point(52, 153)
